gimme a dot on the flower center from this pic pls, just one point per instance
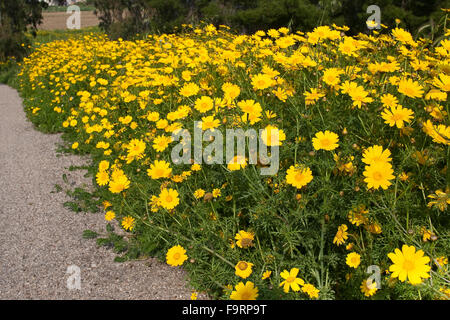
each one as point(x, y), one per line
point(245, 295)
point(290, 279)
point(242, 265)
point(169, 198)
point(408, 265)
point(325, 142)
point(176, 256)
point(299, 176)
point(377, 175)
point(246, 242)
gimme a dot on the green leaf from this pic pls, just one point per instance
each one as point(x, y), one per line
point(89, 234)
point(103, 242)
point(120, 259)
point(109, 228)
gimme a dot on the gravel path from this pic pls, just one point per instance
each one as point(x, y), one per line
point(40, 239)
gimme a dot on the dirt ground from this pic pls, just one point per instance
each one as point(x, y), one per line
point(58, 20)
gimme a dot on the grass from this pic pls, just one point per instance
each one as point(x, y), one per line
point(8, 72)
point(45, 36)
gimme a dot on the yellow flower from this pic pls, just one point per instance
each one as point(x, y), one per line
point(106, 204)
point(409, 264)
point(159, 169)
point(397, 116)
point(194, 296)
point(160, 143)
point(359, 96)
point(273, 33)
point(216, 193)
point(128, 223)
point(440, 199)
point(341, 235)
point(371, 24)
point(153, 116)
point(443, 82)
point(136, 147)
point(290, 280)
point(410, 88)
point(271, 133)
point(243, 269)
point(427, 234)
point(119, 184)
point(368, 287)
point(244, 292)
point(331, 76)
point(404, 176)
point(374, 228)
point(231, 91)
point(244, 239)
point(250, 107)
point(162, 124)
point(176, 256)
point(102, 178)
point(262, 81)
point(237, 163)
point(357, 215)
point(403, 36)
point(204, 104)
point(266, 274)
point(313, 96)
point(298, 177)
point(353, 260)
point(109, 215)
point(378, 175)
point(312, 291)
point(442, 261)
point(325, 140)
point(168, 198)
point(75, 145)
point(388, 100)
point(209, 123)
point(103, 165)
point(189, 89)
point(376, 154)
point(199, 193)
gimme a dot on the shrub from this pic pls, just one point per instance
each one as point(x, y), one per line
point(16, 17)
point(126, 18)
point(363, 178)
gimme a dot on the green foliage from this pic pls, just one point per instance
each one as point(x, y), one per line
point(89, 234)
point(292, 228)
point(83, 201)
point(8, 72)
point(125, 18)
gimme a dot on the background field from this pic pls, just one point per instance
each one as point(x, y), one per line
point(58, 20)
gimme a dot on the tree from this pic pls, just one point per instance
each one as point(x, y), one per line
point(16, 18)
point(125, 18)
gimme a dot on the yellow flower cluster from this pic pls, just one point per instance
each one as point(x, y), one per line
point(378, 102)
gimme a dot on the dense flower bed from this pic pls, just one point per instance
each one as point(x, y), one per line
point(363, 132)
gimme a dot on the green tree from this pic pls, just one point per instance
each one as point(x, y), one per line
point(125, 18)
point(16, 18)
